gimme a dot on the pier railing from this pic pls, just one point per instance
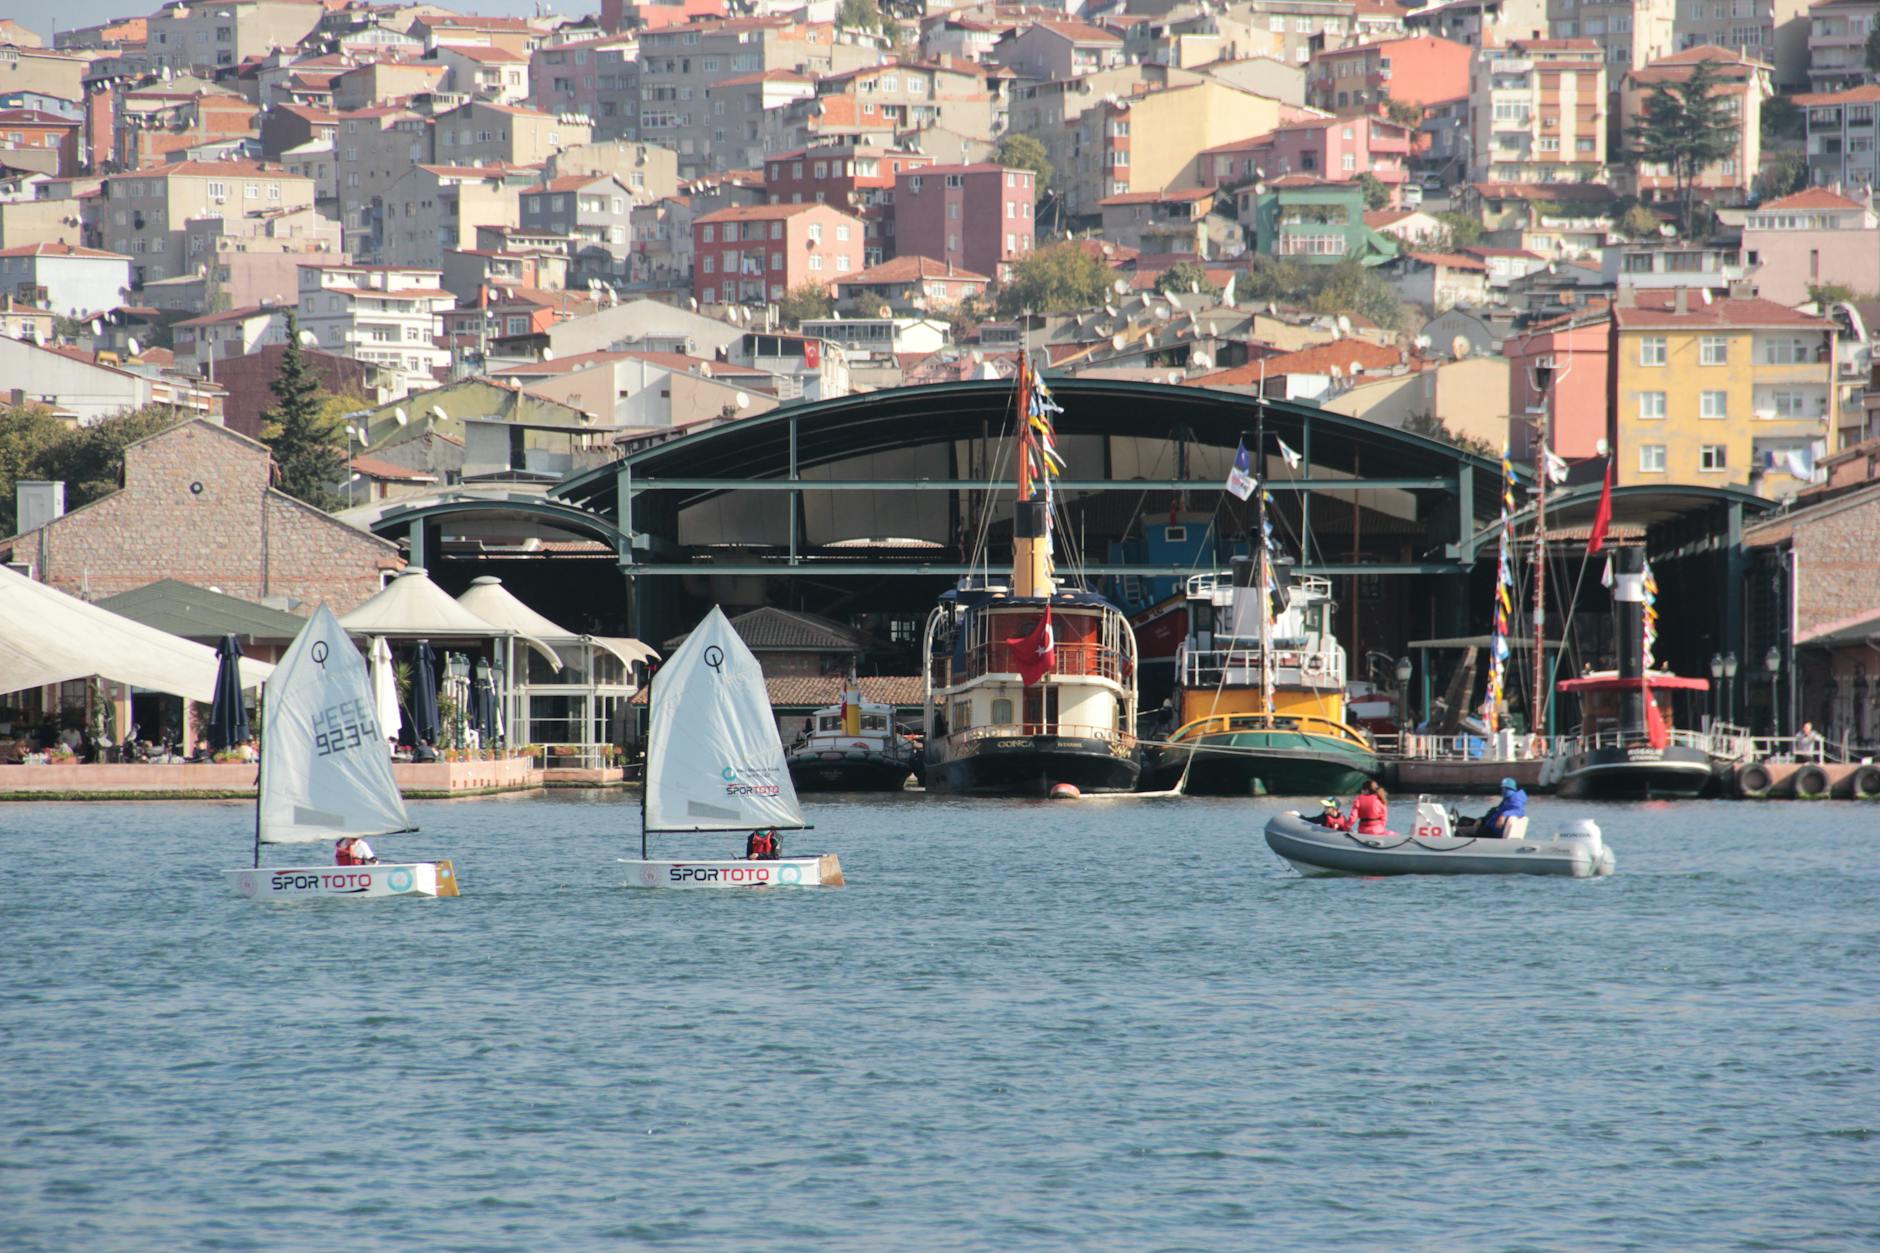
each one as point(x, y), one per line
point(1073, 659)
point(1241, 667)
point(1302, 724)
point(1121, 740)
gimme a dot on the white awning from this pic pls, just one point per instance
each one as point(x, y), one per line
point(628, 650)
point(49, 637)
point(491, 601)
point(411, 607)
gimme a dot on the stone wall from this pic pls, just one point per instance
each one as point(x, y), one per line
point(197, 506)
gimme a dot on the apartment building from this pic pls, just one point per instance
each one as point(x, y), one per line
point(588, 76)
point(441, 27)
point(71, 282)
point(1775, 31)
point(1163, 223)
point(662, 243)
point(757, 253)
point(596, 213)
point(976, 218)
point(1814, 236)
point(740, 108)
point(388, 316)
point(431, 210)
point(1058, 50)
point(1841, 136)
point(910, 282)
point(1743, 84)
point(482, 130)
point(1365, 78)
point(199, 38)
point(495, 74)
point(202, 342)
point(372, 148)
point(908, 97)
point(648, 170)
point(1478, 23)
point(1308, 220)
point(386, 82)
point(147, 214)
point(1837, 43)
point(857, 178)
point(1329, 147)
point(156, 124)
point(1714, 391)
point(1538, 110)
point(1154, 141)
point(34, 140)
point(57, 74)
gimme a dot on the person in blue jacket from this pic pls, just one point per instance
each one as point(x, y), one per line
point(1513, 805)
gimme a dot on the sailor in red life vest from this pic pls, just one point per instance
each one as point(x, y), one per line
point(1371, 809)
point(762, 846)
point(350, 850)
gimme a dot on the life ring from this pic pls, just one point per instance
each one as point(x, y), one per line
point(1753, 781)
point(1866, 783)
point(1315, 664)
point(1811, 783)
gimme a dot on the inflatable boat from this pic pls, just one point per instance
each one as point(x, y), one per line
point(1434, 846)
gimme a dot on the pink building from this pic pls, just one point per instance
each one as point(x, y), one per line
point(583, 77)
point(751, 254)
point(1557, 377)
point(854, 176)
point(975, 217)
point(1335, 148)
point(1813, 236)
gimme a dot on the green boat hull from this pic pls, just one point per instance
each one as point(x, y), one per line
point(1271, 763)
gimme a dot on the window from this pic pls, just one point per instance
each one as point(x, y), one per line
point(1788, 404)
point(710, 234)
point(1713, 350)
point(1651, 350)
point(1651, 406)
point(815, 232)
point(1713, 457)
point(776, 260)
point(776, 230)
point(1787, 351)
point(842, 264)
point(1651, 458)
point(842, 232)
point(815, 262)
point(1714, 405)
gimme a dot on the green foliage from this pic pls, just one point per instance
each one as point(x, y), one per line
point(1184, 277)
point(1873, 51)
point(1405, 113)
point(1825, 294)
point(308, 443)
point(1347, 287)
point(1376, 195)
point(1461, 229)
point(1685, 127)
point(1783, 119)
point(1053, 280)
point(88, 459)
point(1782, 174)
point(859, 15)
point(800, 304)
point(1025, 153)
point(1638, 222)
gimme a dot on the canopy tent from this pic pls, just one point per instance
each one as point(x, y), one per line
point(490, 600)
point(49, 637)
point(411, 607)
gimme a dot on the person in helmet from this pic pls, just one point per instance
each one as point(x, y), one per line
point(1330, 816)
point(1494, 823)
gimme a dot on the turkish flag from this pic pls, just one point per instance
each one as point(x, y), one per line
point(1602, 517)
point(1035, 651)
point(812, 353)
point(1657, 734)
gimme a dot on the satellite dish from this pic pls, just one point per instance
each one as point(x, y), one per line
point(131, 344)
point(307, 339)
point(1200, 360)
point(1174, 300)
point(1117, 342)
point(437, 411)
point(1337, 373)
point(1344, 325)
point(1174, 377)
point(1422, 342)
point(884, 312)
point(1357, 368)
point(97, 327)
point(548, 354)
point(1272, 310)
point(979, 357)
point(400, 414)
point(1109, 310)
point(1120, 287)
point(692, 303)
point(1601, 447)
point(743, 401)
point(1459, 347)
point(1160, 312)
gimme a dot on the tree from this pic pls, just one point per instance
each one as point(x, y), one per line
point(306, 442)
point(1638, 222)
point(859, 15)
point(1376, 195)
point(1783, 173)
point(1684, 128)
point(1025, 153)
point(1461, 229)
point(1825, 294)
point(1404, 113)
point(1873, 51)
point(1053, 280)
point(26, 432)
point(1184, 277)
point(804, 303)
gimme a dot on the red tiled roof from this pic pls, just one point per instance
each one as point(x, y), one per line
point(1450, 260)
point(1658, 308)
point(229, 315)
point(374, 468)
point(1082, 32)
point(1479, 250)
point(1173, 196)
point(1853, 95)
point(761, 212)
point(568, 182)
point(1811, 198)
point(909, 269)
point(61, 250)
point(1318, 359)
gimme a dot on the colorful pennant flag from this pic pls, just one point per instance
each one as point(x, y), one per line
point(1240, 479)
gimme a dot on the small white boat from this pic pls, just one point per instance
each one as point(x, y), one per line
point(326, 773)
point(1434, 847)
point(714, 763)
point(853, 746)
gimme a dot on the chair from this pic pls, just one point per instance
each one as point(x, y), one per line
point(1514, 828)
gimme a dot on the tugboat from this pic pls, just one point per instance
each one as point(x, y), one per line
point(1244, 734)
point(853, 746)
point(1029, 686)
point(1626, 747)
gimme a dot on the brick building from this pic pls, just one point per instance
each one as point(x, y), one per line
point(198, 505)
point(855, 177)
point(756, 253)
point(975, 217)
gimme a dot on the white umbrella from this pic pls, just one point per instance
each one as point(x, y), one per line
point(385, 689)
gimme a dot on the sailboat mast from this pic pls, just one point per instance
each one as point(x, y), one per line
point(1266, 569)
point(1538, 709)
point(261, 766)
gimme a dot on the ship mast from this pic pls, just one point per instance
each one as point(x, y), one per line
point(1031, 516)
point(1266, 556)
point(1537, 710)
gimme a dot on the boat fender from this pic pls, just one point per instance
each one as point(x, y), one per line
point(1753, 781)
point(1811, 783)
point(1315, 664)
point(1065, 792)
point(1866, 783)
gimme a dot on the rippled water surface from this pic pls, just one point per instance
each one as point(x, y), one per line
point(1106, 1025)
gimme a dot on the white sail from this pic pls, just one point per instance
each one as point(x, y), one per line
point(326, 770)
point(714, 761)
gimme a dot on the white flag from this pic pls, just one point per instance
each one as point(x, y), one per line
point(1605, 579)
point(1293, 459)
point(1556, 466)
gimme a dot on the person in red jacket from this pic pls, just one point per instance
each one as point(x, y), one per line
point(1371, 809)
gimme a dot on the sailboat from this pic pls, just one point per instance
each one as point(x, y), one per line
point(326, 773)
point(1030, 687)
point(714, 762)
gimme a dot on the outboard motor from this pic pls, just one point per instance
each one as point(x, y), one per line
point(1583, 833)
point(1432, 820)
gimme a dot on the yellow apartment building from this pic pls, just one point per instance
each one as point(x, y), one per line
point(1730, 391)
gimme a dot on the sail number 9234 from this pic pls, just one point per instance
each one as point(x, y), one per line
point(344, 726)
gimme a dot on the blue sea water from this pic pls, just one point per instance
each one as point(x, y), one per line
point(1115, 1024)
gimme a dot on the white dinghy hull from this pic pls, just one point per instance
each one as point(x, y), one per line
point(1315, 851)
point(823, 870)
point(417, 878)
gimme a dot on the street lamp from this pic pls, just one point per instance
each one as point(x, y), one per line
point(1716, 685)
point(1729, 686)
point(1404, 671)
point(1772, 662)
